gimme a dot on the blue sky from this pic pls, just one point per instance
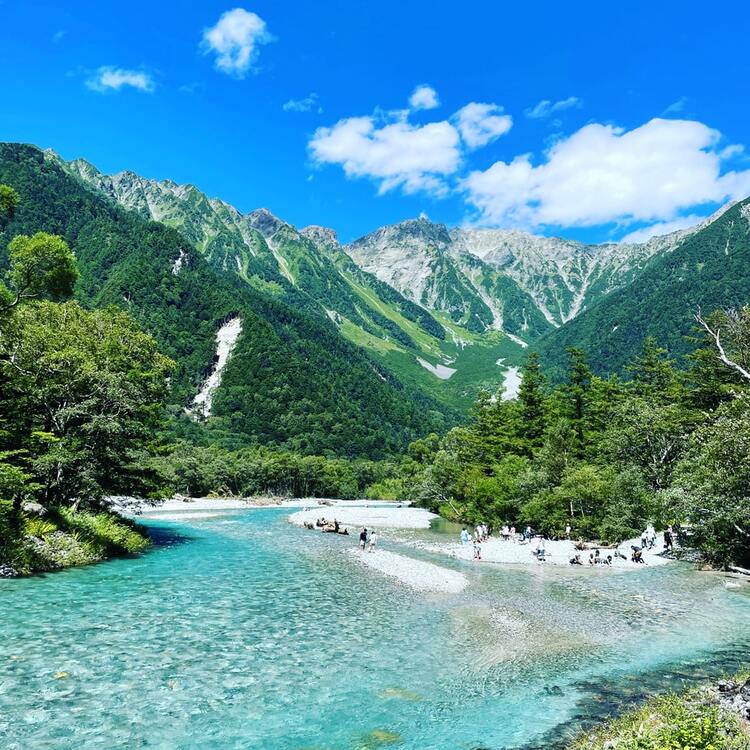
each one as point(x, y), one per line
point(644, 126)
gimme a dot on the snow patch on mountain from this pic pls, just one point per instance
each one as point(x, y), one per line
point(179, 262)
point(511, 383)
point(226, 340)
point(439, 370)
point(516, 340)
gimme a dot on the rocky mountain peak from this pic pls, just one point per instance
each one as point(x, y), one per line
point(264, 222)
point(321, 235)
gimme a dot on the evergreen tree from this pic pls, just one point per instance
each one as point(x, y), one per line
point(533, 405)
point(654, 374)
point(576, 391)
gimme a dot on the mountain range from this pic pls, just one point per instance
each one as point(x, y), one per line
point(425, 315)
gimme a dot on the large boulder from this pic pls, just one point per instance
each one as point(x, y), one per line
point(34, 509)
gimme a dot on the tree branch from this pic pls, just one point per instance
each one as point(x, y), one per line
point(716, 336)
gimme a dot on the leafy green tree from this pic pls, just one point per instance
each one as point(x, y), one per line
point(714, 476)
point(92, 387)
point(40, 266)
point(649, 435)
point(8, 203)
point(654, 374)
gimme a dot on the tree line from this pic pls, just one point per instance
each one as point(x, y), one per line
point(606, 455)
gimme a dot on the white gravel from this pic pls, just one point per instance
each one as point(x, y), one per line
point(416, 574)
point(557, 553)
point(182, 508)
point(378, 517)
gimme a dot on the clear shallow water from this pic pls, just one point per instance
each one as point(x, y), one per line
point(243, 632)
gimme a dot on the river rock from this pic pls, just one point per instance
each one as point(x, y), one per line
point(6, 571)
point(745, 691)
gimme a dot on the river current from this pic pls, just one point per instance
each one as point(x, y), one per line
point(244, 632)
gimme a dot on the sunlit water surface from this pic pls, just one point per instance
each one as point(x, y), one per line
point(243, 632)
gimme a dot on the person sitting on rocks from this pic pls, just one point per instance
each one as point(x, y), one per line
point(576, 560)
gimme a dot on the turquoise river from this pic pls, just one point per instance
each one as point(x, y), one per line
point(242, 631)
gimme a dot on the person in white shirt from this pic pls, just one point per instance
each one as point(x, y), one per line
point(373, 540)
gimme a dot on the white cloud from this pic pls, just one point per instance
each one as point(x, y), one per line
point(545, 108)
point(235, 40)
point(662, 227)
point(110, 78)
point(394, 154)
point(604, 174)
point(307, 104)
point(481, 123)
point(424, 97)
point(676, 107)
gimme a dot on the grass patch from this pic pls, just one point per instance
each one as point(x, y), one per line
point(693, 721)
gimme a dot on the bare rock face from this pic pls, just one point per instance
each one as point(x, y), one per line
point(321, 236)
point(264, 222)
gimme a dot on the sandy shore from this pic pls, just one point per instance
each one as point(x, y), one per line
point(376, 516)
point(557, 553)
point(416, 574)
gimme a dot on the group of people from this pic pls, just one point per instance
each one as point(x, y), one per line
point(596, 558)
point(481, 534)
point(508, 533)
point(328, 527)
point(368, 540)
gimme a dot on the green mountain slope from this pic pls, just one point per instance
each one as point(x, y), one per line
point(291, 379)
point(309, 270)
point(710, 268)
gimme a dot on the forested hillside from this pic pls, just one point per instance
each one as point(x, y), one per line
point(708, 270)
point(292, 380)
point(309, 270)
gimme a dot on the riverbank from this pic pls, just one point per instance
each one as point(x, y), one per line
point(44, 540)
point(378, 516)
point(182, 508)
point(556, 552)
point(713, 717)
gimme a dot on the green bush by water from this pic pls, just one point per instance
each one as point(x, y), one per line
point(64, 538)
point(690, 722)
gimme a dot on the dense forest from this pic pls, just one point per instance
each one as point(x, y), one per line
point(81, 393)
point(292, 382)
point(606, 455)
